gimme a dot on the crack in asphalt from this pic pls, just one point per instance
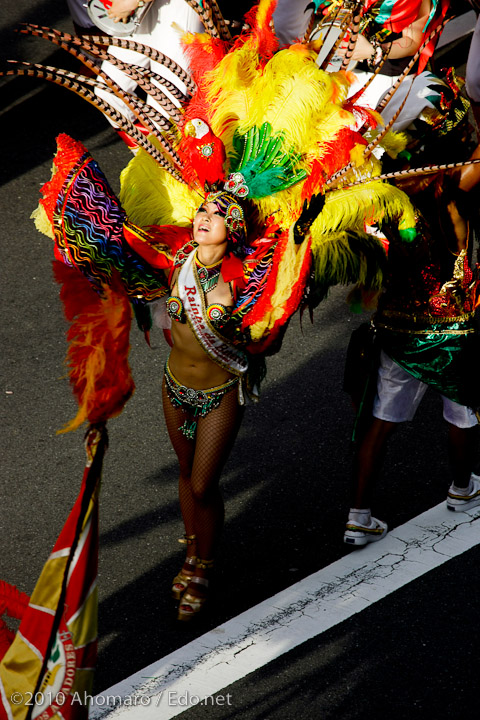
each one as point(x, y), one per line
point(347, 587)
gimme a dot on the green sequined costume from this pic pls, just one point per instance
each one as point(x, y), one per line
point(426, 317)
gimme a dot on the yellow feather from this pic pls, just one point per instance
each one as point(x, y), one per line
point(42, 223)
point(394, 143)
point(229, 93)
point(189, 38)
point(354, 208)
point(293, 95)
point(301, 102)
point(338, 261)
point(356, 155)
point(263, 8)
point(290, 92)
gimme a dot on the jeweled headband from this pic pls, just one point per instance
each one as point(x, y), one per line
point(229, 206)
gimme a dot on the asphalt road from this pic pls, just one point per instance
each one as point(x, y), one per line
point(285, 485)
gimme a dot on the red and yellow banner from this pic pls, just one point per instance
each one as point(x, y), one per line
point(47, 672)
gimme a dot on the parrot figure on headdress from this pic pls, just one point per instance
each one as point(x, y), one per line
point(203, 153)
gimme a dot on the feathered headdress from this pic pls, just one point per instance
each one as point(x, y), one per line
point(260, 130)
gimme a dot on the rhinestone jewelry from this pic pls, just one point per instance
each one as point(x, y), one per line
point(208, 274)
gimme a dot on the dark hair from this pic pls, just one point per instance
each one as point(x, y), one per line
point(234, 213)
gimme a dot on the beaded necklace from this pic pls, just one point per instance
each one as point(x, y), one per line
point(208, 274)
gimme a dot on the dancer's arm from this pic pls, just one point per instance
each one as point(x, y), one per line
point(405, 46)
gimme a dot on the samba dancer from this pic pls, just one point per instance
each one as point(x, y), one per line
point(201, 398)
point(203, 389)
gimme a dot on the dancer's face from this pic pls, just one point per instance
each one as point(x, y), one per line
point(209, 225)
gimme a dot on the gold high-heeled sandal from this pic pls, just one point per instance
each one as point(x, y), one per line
point(180, 581)
point(191, 605)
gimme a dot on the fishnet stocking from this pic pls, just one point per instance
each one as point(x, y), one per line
point(201, 462)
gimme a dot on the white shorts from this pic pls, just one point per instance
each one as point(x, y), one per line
point(399, 395)
point(161, 28)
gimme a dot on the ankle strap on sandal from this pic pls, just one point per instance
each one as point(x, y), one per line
point(187, 539)
point(205, 564)
point(199, 581)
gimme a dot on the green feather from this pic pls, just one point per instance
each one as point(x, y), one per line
point(408, 235)
point(264, 163)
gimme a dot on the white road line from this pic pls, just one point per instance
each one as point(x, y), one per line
point(277, 625)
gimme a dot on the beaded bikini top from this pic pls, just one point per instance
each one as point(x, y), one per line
point(217, 314)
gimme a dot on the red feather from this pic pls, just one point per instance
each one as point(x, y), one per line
point(336, 158)
point(203, 54)
point(69, 151)
point(264, 304)
point(98, 350)
point(262, 29)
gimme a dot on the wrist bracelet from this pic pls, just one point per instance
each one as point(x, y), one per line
point(376, 56)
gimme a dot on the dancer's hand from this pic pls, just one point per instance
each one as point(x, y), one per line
point(310, 211)
point(121, 10)
point(363, 49)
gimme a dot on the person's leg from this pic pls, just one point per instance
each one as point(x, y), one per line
point(84, 30)
point(369, 461)
point(185, 449)
point(397, 399)
point(464, 492)
point(362, 528)
point(80, 17)
point(462, 446)
point(216, 433)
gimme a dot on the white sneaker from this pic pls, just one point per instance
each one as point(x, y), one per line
point(358, 534)
point(460, 503)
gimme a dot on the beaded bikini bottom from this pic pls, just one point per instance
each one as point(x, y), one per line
point(195, 403)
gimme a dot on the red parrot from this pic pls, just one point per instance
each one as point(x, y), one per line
point(203, 154)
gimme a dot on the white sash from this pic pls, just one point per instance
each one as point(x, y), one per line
point(217, 348)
